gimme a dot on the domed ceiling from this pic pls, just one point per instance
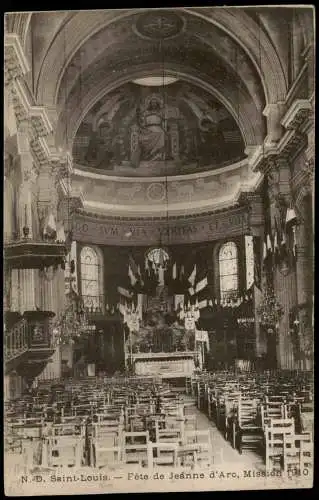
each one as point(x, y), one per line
point(162, 109)
point(146, 130)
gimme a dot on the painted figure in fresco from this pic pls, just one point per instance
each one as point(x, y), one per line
point(151, 144)
point(152, 133)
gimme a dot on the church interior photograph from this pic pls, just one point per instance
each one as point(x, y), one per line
point(159, 242)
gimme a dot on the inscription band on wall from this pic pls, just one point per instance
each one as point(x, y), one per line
point(147, 232)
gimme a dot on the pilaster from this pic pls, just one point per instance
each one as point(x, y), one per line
point(283, 274)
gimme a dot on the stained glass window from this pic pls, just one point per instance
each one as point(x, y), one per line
point(228, 270)
point(91, 279)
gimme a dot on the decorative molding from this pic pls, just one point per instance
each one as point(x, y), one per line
point(112, 231)
point(18, 24)
point(289, 146)
point(37, 115)
point(61, 166)
point(296, 115)
point(15, 62)
point(184, 193)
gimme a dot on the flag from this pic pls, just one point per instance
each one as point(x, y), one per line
point(294, 242)
point(133, 271)
point(276, 243)
point(257, 270)
point(134, 267)
point(50, 227)
point(264, 251)
point(284, 254)
point(124, 292)
point(182, 272)
point(291, 217)
point(267, 251)
point(202, 304)
point(131, 275)
point(192, 276)
point(201, 285)
point(174, 271)
point(140, 300)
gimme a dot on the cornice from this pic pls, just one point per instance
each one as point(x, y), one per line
point(296, 115)
point(291, 143)
point(235, 208)
point(39, 127)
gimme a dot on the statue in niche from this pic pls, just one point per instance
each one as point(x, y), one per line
point(153, 137)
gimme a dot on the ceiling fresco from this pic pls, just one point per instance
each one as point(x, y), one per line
point(170, 130)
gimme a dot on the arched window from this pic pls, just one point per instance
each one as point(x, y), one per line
point(92, 279)
point(228, 270)
point(158, 256)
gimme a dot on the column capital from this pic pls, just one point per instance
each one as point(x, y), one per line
point(61, 166)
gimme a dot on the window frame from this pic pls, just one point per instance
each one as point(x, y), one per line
point(98, 263)
point(227, 293)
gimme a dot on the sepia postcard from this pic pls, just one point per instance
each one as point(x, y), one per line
point(158, 250)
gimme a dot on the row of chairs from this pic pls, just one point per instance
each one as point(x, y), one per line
point(262, 413)
point(97, 423)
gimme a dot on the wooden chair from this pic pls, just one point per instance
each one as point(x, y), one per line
point(297, 453)
point(167, 435)
point(135, 448)
point(247, 434)
point(270, 412)
point(63, 451)
point(105, 450)
point(199, 444)
point(164, 454)
point(274, 441)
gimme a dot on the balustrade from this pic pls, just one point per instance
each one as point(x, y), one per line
point(16, 340)
point(33, 331)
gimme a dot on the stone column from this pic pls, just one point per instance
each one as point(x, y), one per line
point(256, 222)
point(305, 273)
point(284, 282)
point(28, 282)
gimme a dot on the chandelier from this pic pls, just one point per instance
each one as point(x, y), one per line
point(270, 310)
point(73, 323)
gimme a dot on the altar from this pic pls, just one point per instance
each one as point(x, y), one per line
point(160, 334)
point(164, 364)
